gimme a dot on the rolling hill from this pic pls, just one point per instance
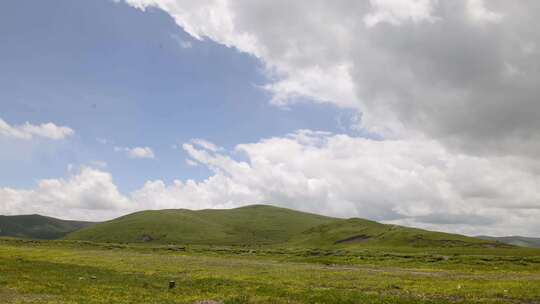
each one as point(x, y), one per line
point(514, 240)
point(250, 225)
point(357, 231)
point(263, 225)
point(37, 226)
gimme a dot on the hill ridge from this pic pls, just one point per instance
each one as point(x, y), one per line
point(263, 224)
point(38, 226)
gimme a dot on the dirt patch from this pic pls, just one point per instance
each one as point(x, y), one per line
point(362, 238)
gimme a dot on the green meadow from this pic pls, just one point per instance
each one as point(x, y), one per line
point(87, 272)
point(256, 254)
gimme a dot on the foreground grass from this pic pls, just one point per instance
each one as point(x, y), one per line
point(76, 272)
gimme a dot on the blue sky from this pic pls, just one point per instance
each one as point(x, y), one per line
point(419, 113)
point(113, 72)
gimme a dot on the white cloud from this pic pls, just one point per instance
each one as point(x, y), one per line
point(410, 67)
point(476, 10)
point(28, 131)
point(90, 194)
point(141, 152)
point(137, 152)
point(206, 144)
point(418, 183)
point(397, 11)
point(452, 85)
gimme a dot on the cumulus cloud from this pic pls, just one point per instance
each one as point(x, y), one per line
point(452, 87)
point(137, 152)
point(462, 72)
point(28, 131)
point(418, 183)
point(89, 194)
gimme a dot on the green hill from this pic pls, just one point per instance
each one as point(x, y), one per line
point(521, 241)
point(263, 225)
point(257, 224)
point(37, 227)
point(357, 231)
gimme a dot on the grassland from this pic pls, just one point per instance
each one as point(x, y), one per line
point(263, 254)
point(85, 272)
point(263, 225)
point(251, 225)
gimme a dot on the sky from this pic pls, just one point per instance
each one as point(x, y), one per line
point(414, 112)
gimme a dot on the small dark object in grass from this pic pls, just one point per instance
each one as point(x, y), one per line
point(146, 238)
point(93, 277)
point(172, 284)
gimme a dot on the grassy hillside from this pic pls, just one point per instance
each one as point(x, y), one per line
point(264, 225)
point(251, 225)
point(37, 227)
point(357, 231)
point(515, 240)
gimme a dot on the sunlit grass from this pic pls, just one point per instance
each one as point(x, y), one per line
point(74, 272)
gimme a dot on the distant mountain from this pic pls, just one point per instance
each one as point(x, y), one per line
point(37, 226)
point(514, 240)
point(264, 225)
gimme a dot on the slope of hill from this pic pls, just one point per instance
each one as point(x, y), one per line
point(37, 227)
point(360, 231)
point(262, 225)
point(250, 225)
point(514, 240)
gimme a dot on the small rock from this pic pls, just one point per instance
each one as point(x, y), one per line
point(93, 277)
point(146, 238)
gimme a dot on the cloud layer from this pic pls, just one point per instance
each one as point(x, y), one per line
point(414, 183)
point(451, 87)
point(28, 131)
point(463, 72)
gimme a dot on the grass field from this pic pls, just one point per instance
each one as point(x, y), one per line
point(84, 272)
